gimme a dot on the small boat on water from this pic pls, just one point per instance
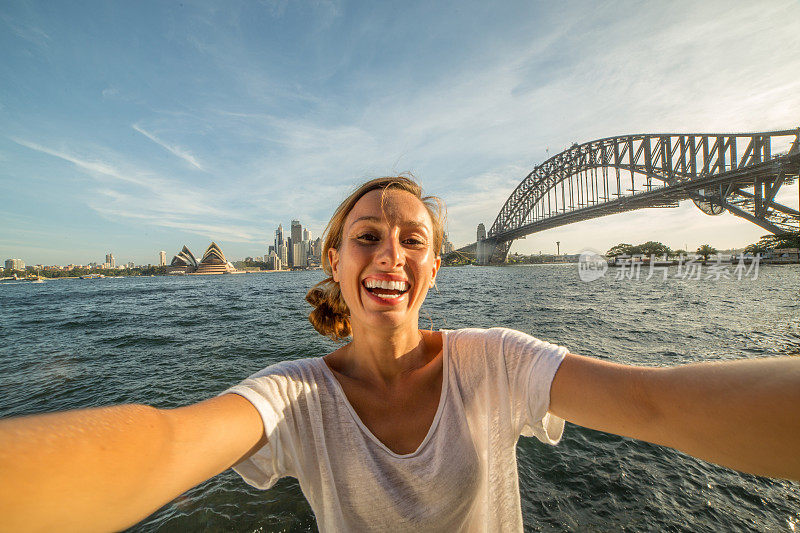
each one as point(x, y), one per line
point(92, 276)
point(35, 279)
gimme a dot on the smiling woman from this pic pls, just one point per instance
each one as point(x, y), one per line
point(331, 314)
point(399, 429)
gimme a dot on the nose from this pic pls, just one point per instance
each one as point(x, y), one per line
point(390, 252)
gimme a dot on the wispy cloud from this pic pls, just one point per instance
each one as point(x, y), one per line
point(30, 33)
point(110, 91)
point(95, 167)
point(174, 150)
point(154, 200)
point(115, 205)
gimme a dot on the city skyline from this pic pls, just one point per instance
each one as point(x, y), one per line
point(162, 257)
point(134, 129)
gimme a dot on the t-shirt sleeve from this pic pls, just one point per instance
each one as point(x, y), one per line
point(531, 365)
point(270, 393)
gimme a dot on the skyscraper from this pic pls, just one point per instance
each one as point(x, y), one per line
point(273, 261)
point(299, 254)
point(297, 232)
point(447, 246)
point(279, 237)
point(110, 260)
point(283, 254)
point(317, 249)
point(162, 258)
point(306, 235)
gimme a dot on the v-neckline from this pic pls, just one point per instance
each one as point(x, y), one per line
point(357, 419)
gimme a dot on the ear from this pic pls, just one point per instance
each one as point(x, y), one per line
point(437, 263)
point(333, 259)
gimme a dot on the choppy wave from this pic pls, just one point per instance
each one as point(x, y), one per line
point(172, 341)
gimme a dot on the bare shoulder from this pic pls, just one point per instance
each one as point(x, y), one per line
point(433, 342)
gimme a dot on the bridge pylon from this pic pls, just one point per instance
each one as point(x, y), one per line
point(485, 250)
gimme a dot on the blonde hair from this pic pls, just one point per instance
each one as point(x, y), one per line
point(330, 316)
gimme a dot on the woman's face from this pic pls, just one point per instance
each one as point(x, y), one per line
point(385, 263)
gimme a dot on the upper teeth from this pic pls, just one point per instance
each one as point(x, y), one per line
point(384, 284)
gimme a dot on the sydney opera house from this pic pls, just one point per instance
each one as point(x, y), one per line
point(213, 262)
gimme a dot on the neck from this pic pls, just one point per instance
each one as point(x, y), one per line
point(383, 356)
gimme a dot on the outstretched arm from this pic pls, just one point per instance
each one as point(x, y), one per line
point(108, 468)
point(740, 414)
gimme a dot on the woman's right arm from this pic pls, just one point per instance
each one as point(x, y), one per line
point(108, 468)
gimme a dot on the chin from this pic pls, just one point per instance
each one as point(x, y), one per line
point(388, 319)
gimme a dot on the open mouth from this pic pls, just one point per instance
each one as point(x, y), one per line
point(388, 290)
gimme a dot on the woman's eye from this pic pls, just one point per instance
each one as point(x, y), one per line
point(413, 241)
point(367, 237)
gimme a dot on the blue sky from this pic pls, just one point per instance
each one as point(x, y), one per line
point(134, 127)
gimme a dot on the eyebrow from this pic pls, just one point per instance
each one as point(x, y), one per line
point(369, 218)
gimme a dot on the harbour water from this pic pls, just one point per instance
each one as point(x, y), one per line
point(170, 341)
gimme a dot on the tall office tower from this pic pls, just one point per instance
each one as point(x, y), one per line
point(481, 232)
point(279, 237)
point(283, 254)
point(297, 231)
point(306, 235)
point(289, 251)
point(447, 246)
point(298, 254)
point(110, 260)
point(271, 249)
point(162, 258)
point(273, 261)
point(317, 253)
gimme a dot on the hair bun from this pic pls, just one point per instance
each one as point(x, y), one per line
point(316, 296)
point(330, 315)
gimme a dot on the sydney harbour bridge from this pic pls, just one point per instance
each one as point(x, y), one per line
point(739, 173)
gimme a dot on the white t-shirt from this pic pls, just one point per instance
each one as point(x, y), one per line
point(463, 477)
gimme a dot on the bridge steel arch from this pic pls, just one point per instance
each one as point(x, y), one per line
point(590, 180)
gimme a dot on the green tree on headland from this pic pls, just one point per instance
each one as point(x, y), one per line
point(705, 251)
point(653, 248)
point(646, 249)
point(772, 242)
point(620, 249)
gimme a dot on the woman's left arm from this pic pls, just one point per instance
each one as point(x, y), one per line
point(740, 414)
